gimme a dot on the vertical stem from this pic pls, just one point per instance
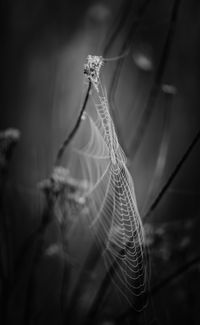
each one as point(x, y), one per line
point(75, 128)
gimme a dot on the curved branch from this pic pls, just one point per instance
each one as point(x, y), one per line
point(75, 128)
point(173, 175)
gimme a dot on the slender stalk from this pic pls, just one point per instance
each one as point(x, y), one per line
point(75, 128)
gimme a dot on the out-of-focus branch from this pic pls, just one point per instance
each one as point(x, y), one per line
point(125, 47)
point(169, 92)
point(124, 11)
point(157, 82)
point(172, 176)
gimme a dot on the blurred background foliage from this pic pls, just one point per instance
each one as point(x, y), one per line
point(46, 275)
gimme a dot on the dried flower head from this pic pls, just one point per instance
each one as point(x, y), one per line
point(8, 140)
point(92, 69)
point(65, 193)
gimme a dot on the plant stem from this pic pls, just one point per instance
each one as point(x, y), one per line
point(75, 128)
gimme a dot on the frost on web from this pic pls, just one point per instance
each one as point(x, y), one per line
point(92, 69)
point(111, 197)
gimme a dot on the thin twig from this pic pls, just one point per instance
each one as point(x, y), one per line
point(75, 128)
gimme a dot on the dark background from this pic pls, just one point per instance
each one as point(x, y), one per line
point(44, 47)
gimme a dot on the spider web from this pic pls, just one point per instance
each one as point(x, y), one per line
point(111, 200)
